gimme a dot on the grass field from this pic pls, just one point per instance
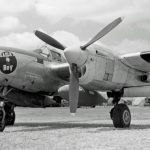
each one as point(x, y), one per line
point(91, 128)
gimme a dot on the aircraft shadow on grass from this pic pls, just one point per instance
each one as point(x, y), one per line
point(33, 126)
point(30, 126)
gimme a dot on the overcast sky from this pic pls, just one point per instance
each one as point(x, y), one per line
point(74, 21)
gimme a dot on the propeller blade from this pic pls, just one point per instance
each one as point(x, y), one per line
point(49, 40)
point(103, 32)
point(73, 89)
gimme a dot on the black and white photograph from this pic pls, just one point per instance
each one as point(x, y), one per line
point(74, 75)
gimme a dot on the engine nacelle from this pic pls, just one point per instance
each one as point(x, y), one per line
point(27, 99)
point(86, 98)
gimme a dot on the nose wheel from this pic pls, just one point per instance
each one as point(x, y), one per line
point(10, 118)
point(2, 116)
point(2, 123)
point(7, 115)
point(10, 114)
point(120, 116)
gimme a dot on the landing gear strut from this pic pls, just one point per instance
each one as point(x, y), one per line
point(120, 113)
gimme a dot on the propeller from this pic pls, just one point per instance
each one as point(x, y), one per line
point(103, 32)
point(73, 88)
point(49, 40)
point(76, 56)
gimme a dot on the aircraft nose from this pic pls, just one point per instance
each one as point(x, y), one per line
point(75, 55)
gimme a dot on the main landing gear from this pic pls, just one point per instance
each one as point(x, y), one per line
point(120, 114)
point(7, 115)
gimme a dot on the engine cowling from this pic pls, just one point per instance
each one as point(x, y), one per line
point(27, 99)
point(86, 98)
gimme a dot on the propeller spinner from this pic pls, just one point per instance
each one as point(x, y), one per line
point(76, 56)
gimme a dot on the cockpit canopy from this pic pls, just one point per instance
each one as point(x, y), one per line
point(51, 53)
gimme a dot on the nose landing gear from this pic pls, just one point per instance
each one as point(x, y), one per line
point(7, 115)
point(10, 114)
point(2, 117)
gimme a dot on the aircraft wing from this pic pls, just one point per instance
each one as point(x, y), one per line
point(139, 60)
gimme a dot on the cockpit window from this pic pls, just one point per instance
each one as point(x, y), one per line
point(45, 51)
point(56, 56)
point(50, 53)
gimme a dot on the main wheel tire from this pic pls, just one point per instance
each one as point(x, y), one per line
point(10, 118)
point(2, 127)
point(111, 113)
point(121, 116)
point(2, 121)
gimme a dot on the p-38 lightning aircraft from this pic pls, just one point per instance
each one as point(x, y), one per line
point(94, 68)
point(28, 78)
point(31, 76)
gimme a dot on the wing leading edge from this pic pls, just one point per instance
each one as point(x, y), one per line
point(139, 60)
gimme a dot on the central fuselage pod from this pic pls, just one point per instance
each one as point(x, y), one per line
point(27, 73)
